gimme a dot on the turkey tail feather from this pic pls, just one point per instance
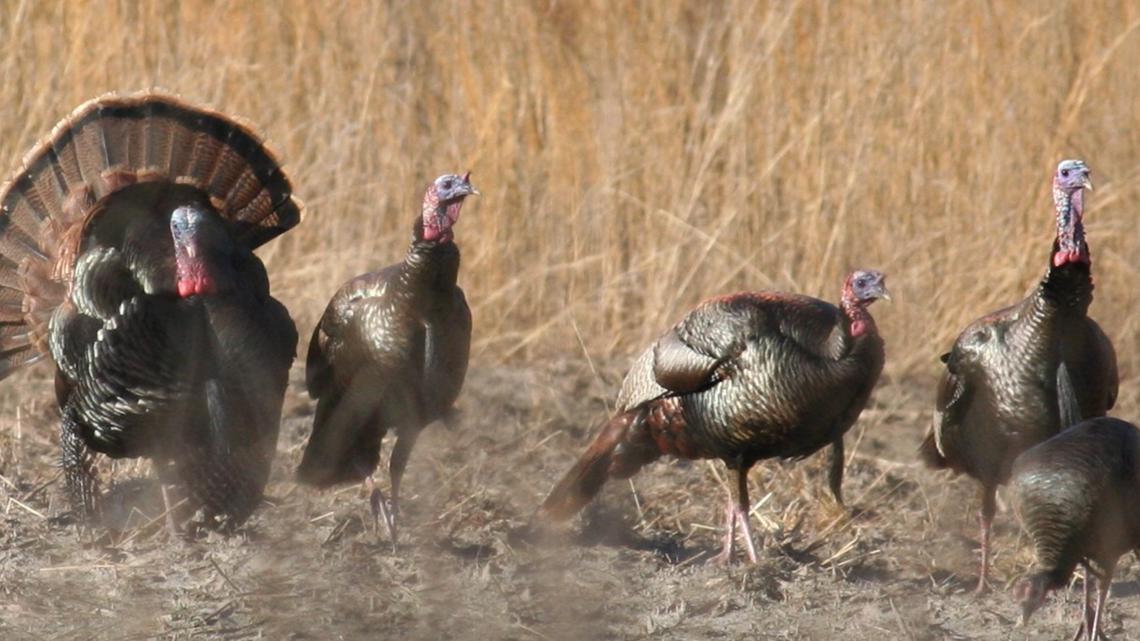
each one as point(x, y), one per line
point(344, 446)
point(930, 455)
point(583, 482)
point(105, 145)
point(1068, 405)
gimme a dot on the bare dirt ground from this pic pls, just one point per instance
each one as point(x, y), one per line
point(899, 564)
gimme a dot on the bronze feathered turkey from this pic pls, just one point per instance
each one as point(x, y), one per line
point(390, 352)
point(742, 378)
point(126, 254)
point(1019, 375)
point(1076, 494)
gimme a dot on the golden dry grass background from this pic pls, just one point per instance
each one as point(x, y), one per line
point(636, 157)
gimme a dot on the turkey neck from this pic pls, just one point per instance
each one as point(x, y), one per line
point(863, 348)
point(430, 266)
point(860, 324)
point(1063, 297)
point(1067, 288)
point(1066, 291)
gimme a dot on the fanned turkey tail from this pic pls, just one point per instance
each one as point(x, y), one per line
point(106, 145)
point(615, 452)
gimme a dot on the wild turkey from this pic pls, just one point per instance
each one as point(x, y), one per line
point(126, 253)
point(742, 378)
point(1009, 373)
point(390, 351)
point(1076, 494)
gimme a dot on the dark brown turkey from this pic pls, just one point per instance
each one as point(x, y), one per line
point(126, 253)
point(1076, 494)
point(1009, 373)
point(390, 352)
point(742, 378)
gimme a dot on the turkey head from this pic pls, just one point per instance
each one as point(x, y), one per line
point(442, 202)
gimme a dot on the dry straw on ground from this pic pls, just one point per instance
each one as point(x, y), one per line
point(637, 157)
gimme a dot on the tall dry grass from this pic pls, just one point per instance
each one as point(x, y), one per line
point(636, 157)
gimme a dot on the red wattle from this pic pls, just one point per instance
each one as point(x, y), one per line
point(1063, 257)
point(193, 287)
point(858, 328)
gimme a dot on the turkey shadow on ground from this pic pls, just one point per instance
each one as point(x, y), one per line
point(612, 528)
point(132, 503)
point(1125, 590)
point(951, 582)
point(139, 506)
point(608, 527)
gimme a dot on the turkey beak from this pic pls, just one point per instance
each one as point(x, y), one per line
point(191, 250)
point(883, 293)
point(1086, 182)
point(471, 191)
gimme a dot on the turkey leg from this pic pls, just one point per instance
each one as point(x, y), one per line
point(1102, 585)
point(986, 517)
point(835, 470)
point(405, 441)
point(737, 513)
point(1086, 609)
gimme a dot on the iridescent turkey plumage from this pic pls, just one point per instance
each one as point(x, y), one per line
point(192, 378)
point(741, 378)
point(1017, 376)
point(1076, 495)
point(390, 352)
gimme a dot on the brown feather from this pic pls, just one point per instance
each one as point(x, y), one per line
point(583, 482)
point(107, 144)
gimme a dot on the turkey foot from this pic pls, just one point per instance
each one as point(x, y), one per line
point(733, 515)
point(382, 509)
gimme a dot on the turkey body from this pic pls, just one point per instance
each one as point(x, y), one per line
point(1008, 375)
point(390, 352)
point(757, 376)
point(195, 383)
point(741, 378)
point(1016, 377)
point(1076, 495)
point(158, 316)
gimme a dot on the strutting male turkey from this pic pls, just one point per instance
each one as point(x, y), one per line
point(390, 352)
point(1076, 494)
point(126, 254)
point(742, 378)
point(1019, 375)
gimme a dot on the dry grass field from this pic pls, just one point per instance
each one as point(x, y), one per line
point(635, 157)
